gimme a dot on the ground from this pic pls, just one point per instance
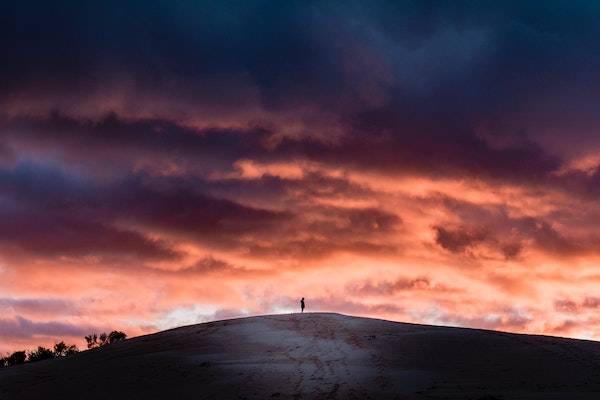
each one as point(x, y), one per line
point(318, 356)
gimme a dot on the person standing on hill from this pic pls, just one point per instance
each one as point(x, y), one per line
point(302, 304)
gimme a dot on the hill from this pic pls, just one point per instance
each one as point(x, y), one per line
point(318, 356)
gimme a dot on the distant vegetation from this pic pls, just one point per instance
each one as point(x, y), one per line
point(60, 349)
point(103, 339)
point(18, 357)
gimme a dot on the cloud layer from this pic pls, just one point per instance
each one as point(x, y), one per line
point(163, 164)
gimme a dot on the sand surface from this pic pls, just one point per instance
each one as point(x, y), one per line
point(318, 356)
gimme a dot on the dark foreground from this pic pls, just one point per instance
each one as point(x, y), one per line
point(318, 356)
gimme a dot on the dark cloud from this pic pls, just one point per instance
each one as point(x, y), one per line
point(458, 240)
point(161, 144)
point(370, 219)
point(54, 214)
point(179, 208)
point(509, 235)
point(112, 143)
point(159, 40)
point(591, 302)
point(43, 305)
point(23, 328)
point(302, 192)
point(312, 249)
point(465, 239)
point(381, 85)
point(211, 265)
point(40, 234)
point(571, 306)
point(566, 327)
point(125, 128)
point(566, 305)
point(84, 216)
point(386, 287)
point(7, 155)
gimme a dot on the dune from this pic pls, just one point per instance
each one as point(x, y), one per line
point(317, 356)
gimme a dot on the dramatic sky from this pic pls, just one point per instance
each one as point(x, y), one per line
point(173, 162)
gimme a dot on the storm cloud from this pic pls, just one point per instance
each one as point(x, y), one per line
point(409, 160)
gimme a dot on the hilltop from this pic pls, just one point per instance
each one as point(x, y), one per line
point(318, 356)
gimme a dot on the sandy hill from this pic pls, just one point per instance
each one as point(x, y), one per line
point(318, 356)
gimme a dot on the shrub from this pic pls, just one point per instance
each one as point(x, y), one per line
point(94, 340)
point(116, 336)
point(41, 353)
point(61, 349)
point(16, 358)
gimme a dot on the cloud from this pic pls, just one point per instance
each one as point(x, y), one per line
point(51, 215)
point(465, 239)
point(7, 155)
point(112, 142)
point(509, 235)
point(565, 305)
point(566, 327)
point(163, 144)
point(570, 306)
point(22, 328)
point(210, 265)
point(42, 235)
point(386, 287)
point(591, 302)
point(458, 240)
point(38, 306)
point(315, 249)
point(340, 149)
point(510, 319)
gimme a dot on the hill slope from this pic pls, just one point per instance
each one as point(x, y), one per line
point(318, 356)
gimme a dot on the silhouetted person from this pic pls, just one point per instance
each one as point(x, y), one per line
point(302, 304)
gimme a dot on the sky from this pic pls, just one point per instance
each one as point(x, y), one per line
point(165, 163)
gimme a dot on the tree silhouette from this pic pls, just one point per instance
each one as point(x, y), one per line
point(116, 336)
point(16, 358)
point(61, 349)
point(41, 353)
point(103, 339)
point(94, 340)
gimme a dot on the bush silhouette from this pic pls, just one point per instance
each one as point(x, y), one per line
point(16, 358)
point(61, 349)
point(94, 340)
point(41, 353)
point(116, 336)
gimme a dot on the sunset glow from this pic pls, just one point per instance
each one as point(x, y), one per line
point(163, 166)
